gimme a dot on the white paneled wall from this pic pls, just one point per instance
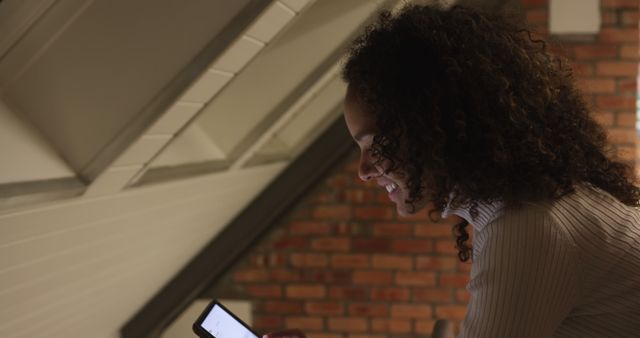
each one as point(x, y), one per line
point(26, 154)
point(83, 266)
point(282, 67)
point(193, 145)
point(222, 71)
point(92, 262)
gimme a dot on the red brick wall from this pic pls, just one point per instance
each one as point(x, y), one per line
point(343, 265)
point(606, 66)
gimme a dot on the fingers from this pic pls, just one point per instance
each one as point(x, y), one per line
point(285, 334)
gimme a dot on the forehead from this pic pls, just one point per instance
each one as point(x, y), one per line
point(360, 121)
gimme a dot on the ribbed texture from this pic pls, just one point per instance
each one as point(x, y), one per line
point(567, 269)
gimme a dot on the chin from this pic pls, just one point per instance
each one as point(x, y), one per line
point(403, 211)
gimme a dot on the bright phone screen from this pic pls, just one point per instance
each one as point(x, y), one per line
point(222, 325)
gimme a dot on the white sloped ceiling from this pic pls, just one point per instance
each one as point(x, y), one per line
point(78, 75)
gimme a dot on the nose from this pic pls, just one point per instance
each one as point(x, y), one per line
point(367, 168)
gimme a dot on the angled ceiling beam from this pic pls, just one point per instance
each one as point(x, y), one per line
point(242, 233)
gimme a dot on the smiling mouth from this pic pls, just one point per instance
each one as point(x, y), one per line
point(391, 187)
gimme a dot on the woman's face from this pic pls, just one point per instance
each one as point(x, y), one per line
point(362, 127)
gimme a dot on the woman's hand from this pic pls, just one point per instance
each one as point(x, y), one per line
point(285, 334)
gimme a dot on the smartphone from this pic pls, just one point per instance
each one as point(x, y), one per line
point(216, 321)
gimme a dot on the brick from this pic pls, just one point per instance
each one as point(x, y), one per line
point(616, 102)
point(390, 294)
point(371, 245)
point(622, 136)
point(451, 311)
point(627, 86)
point(424, 326)
point(268, 322)
point(441, 230)
point(416, 278)
point(433, 263)
point(392, 229)
point(269, 259)
point(412, 246)
point(291, 243)
point(582, 68)
point(310, 228)
point(326, 276)
point(410, 311)
point(352, 229)
point(276, 259)
point(308, 260)
point(456, 280)
point(463, 296)
point(534, 3)
point(367, 336)
point(251, 275)
point(357, 196)
point(332, 212)
point(626, 119)
point(263, 291)
point(433, 295)
point(353, 165)
point(369, 309)
point(464, 267)
point(372, 277)
point(331, 244)
point(537, 16)
point(630, 18)
point(282, 307)
point(619, 34)
point(303, 291)
point(339, 181)
point(324, 308)
point(394, 325)
point(617, 68)
point(350, 261)
point(446, 246)
point(373, 213)
point(619, 3)
point(348, 293)
point(284, 275)
point(596, 51)
point(258, 260)
point(323, 335)
point(609, 18)
point(351, 324)
point(597, 85)
point(630, 52)
point(323, 197)
point(382, 197)
point(304, 323)
point(392, 262)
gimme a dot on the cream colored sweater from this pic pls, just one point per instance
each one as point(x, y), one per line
point(570, 268)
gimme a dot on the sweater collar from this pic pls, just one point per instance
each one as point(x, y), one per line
point(487, 212)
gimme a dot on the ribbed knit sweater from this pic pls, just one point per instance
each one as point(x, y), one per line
point(568, 268)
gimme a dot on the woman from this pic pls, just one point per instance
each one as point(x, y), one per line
point(464, 113)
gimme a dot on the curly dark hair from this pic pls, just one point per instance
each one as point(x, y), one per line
point(474, 109)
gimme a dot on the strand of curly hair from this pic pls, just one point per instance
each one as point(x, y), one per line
point(473, 109)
